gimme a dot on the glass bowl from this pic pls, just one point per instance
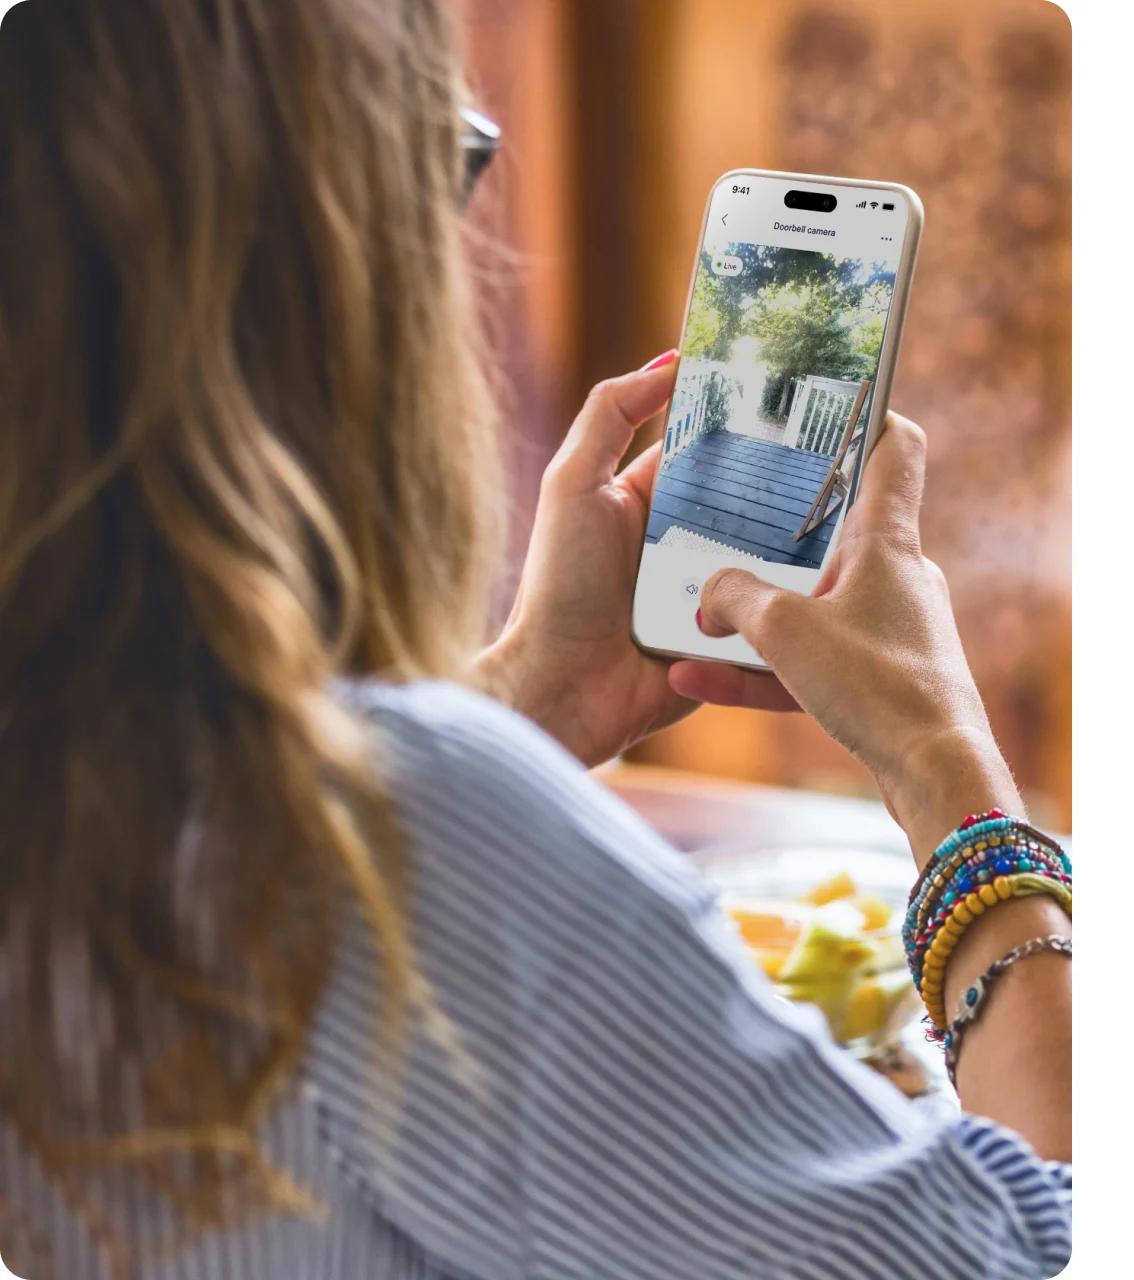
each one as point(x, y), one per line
point(836, 956)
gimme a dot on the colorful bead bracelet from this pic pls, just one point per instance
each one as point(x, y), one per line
point(987, 860)
point(970, 867)
point(975, 836)
point(969, 876)
point(978, 834)
point(930, 979)
point(976, 827)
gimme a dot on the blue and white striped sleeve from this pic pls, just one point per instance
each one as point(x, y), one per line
point(667, 1116)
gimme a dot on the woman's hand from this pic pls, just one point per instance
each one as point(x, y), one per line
point(873, 655)
point(565, 658)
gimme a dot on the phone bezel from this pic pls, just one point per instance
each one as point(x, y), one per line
point(887, 359)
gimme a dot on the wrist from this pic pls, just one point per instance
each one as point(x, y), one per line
point(498, 672)
point(946, 776)
point(507, 672)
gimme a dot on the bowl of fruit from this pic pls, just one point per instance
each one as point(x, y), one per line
point(825, 926)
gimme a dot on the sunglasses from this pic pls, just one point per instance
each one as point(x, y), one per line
point(480, 141)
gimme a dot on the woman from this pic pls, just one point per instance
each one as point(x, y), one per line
point(312, 962)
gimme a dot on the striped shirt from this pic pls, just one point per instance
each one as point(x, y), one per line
point(629, 1100)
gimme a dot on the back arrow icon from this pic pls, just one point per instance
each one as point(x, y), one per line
point(725, 219)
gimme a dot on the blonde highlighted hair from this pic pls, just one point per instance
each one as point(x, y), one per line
point(246, 445)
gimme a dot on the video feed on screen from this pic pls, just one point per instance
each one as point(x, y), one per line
point(764, 442)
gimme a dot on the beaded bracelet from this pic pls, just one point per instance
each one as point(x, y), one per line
point(973, 1001)
point(973, 829)
point(969, 846)
point(976, 835)
point(962, 874)
point(985, 861)
point(961, 907)
point(934, 913)
point(930, 978)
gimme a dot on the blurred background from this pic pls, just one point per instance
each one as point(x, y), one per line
point(618, 116)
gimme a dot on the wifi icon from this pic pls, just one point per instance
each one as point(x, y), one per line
point(874, 204)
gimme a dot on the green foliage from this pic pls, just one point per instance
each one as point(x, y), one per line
point(868, 340)
point(810, 313)
point(719, 309)
point(773, 394)
point(705, 321)
point(717, 410)
point(803, 329)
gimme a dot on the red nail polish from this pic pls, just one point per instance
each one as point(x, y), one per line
point(699, 620)
point(667, 358)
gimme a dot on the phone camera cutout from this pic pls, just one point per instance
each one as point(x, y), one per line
point(814, 201)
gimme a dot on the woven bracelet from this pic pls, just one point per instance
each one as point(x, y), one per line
point(976, 997)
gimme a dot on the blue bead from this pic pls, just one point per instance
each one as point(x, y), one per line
point(1003, 866)
point(950, 897)
point(971, 996)
point(964, 886)
point(948, 1041)
point(1026, 864)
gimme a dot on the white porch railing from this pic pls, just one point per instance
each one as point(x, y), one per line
point(818, 414)
point(688, 416)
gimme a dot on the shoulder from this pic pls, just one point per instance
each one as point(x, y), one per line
point(474, 774)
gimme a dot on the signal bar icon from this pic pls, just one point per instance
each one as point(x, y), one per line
point(861, 204)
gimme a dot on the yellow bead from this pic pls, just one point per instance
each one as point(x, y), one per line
point(966, 853)
point(994, 841)
point(974, 904)
point(962, 913)
point(934, 960)
point(1003, 888)
point(980, 846)
point(954, 927)
point(988, 896)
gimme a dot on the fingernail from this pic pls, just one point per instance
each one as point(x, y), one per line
point(667, 357)
point(699, 627)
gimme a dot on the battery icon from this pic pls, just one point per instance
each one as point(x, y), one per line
point(887, 206)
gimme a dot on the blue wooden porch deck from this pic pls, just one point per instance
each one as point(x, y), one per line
point(748, 494)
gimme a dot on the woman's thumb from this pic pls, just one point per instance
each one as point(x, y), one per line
point(735, 600)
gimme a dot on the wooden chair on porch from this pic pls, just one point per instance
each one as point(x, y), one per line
point(838, 482)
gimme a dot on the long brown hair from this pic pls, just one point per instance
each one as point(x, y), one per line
point(246, 444)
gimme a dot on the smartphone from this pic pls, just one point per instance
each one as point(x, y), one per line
point(791, 333)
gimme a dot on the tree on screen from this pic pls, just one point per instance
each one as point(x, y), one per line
point(718, 314)
point(806, 330)
point(813, 314)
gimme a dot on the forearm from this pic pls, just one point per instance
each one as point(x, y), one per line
point(1015, 1061)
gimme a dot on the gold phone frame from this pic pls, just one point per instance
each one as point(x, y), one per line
point(887, 359)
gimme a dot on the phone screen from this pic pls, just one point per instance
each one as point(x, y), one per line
point(775, 398)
